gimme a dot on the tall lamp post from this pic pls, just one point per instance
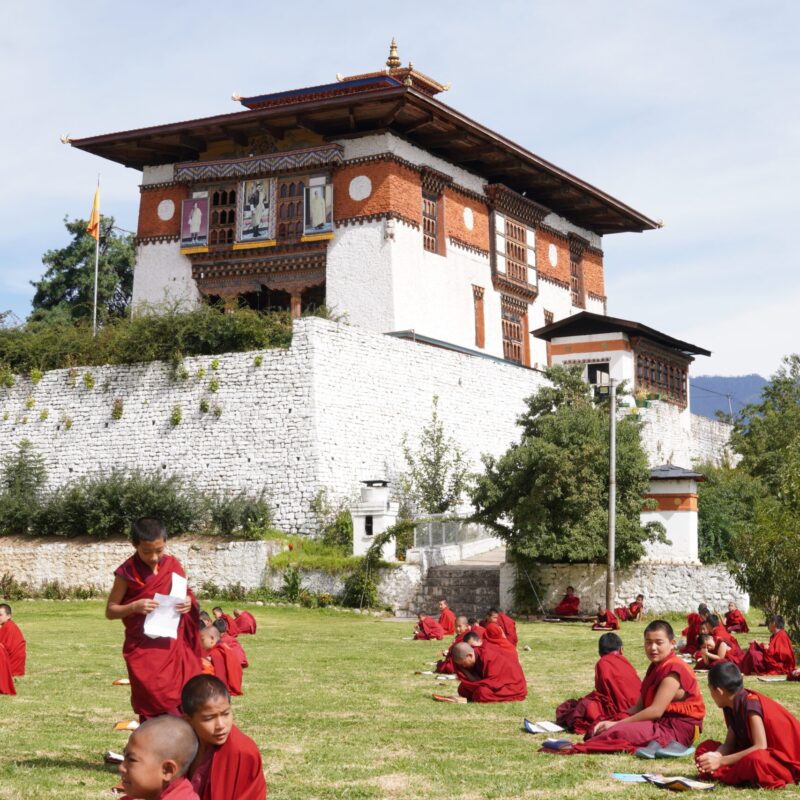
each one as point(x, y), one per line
point(608, 385)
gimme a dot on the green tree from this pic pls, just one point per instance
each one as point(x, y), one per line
point(22, 479)
point(547, 496)
point(66, 290)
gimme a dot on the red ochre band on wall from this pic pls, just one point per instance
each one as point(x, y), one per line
point(673, 502)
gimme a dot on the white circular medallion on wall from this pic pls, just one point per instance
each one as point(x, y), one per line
point(469, 219)
point(360, 188)
point(166, 210)
point(552, 255)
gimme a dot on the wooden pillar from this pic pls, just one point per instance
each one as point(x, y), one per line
point(526, 341)
point(296, 306)
point(480, 324)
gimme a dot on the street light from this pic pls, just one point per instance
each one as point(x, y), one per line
point(608, 385)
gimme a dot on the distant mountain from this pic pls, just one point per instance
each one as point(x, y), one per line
point(709, 393)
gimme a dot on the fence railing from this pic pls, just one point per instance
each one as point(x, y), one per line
point(433, 532)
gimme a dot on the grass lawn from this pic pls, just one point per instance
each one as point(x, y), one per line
point(332, 701)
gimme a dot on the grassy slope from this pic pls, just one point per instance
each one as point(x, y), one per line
point(332, 701)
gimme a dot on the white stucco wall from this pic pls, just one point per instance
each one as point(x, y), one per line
point(163, 277)
point(682, 533)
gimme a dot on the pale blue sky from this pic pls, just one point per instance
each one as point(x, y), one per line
point(686, 111)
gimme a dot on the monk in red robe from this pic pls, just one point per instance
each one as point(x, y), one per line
point(762, 747)
point(726, 647)
point(228, 764)
point(570, 604)
point(775, 658)
point(616, 689)
point(475, 626)
point(670, 706)
point(205, 619)
point(632, 613)
point(12, 640)
point(445, 665)
point(229, 641)
point(447, 619)
point(157, 668)
point(494, 635)
point(735, 621)
point(226, 664)
point(692, 629)
point(505, 622)
point(606, 621)
point(229, 620)
point(245, 621)
point(427, 628)
point(495, 676)
point(6, 678)
point(156, 759)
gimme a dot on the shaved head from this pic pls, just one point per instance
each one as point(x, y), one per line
point(462, 652)
point(209, 637)
point(169, 738)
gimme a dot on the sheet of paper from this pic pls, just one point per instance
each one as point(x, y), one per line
point(163, 621)
point(179, 586)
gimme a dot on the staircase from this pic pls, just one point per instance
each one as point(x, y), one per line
point(470, 589)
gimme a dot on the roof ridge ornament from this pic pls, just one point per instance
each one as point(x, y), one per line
point(393, 62)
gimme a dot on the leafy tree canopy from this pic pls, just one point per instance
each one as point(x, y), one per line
point(66, 290)
point(547, 496)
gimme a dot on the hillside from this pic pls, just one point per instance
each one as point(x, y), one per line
point(709, 392)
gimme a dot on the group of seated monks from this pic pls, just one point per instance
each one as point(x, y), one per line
point(623, 714)
point(12, 651)
point(570, 606)
point(222, 652)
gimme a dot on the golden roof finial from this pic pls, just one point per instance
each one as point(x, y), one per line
point(393, 62)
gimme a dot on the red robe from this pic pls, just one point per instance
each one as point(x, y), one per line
point(735, 622)
point(569, 606)
point(776, 658)
point(628, 613)
point(495, 635)
point(616, 688)
point(233, 628)
point(680, 721)
point(179, 789)
point(447, 619)
point(429, 628)
point(246, 623)
point(157, 668)
point(772, 768)
point(12, 639)
point(509, 627)
point(500, 680)
point(6, 678)
point(445, 666)
point(606, 622)
point(479, 629)
point(691, 632)
point(735, 653)
point(236, 771)
point(227, 667)
point(236, 647)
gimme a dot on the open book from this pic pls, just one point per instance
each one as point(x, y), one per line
point(126, 725)
point(678, 783)
point(541, 727)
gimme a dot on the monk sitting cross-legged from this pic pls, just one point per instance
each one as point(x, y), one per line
point(616, 689)
point(670, 706)
point(494, 676)
point(12, 640)
point(762, 747)
point(725, 645)
point(633, 612)
point(692, 629)
point(447, 619)
point(570, 604)
point(245, 621)
point(775, 658)
point(445, 665)
point(606, 621)
point(475, 626)
point(230, 621)
point(735, 621)
point(505, 622)
point(220, 660)
point(427, 628)
point(228, 640)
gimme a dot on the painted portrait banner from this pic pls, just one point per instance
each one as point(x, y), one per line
point(194, 222)
point(318, 206)
point(256, 222)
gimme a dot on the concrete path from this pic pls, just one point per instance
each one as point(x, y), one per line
point(492, 558)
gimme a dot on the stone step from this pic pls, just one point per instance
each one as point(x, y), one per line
point(469, 590)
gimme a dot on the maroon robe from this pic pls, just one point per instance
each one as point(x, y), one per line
point(6, 678)
point(509, 627)
point(735, 653)
point(569, 606)
point(246, 623)
point(157, 668)
point(735, 622)
point(691, 632)
point(447, 619)
point(495, 635)
point(479, 629)
point(236, 647)
point(429, 628)
point(236, 771)
point(179, 789)
point(14, 642)
point(630, 612)
point(772, 768)
point(606, 621)
point(616, 688)
point(776, 658)
point(227, 667)
point(445, 666)
point(498, 677)
point(233, 628)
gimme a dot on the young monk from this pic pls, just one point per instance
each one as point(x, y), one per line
point(228, 764)
point(505, 622)
point(616, 689)
point(705, 657)
point(670, 706)
point(692, 629)
point(6, 678)
point(606, 621)
point(570, 604)
point(632, 613)
point(475, 626)
point(494, 677)
point(775, 658)
point(245, 621)
point(156, 758)
point(725, 645)
point(220, 660)
point(12, 640)
point(157, 668)
point(231, 622)
point(205, 619)
point(427, 628)
point(735, 621)
point(445, 665)
point(228, 640)
point(447, 619)
point(762, 747)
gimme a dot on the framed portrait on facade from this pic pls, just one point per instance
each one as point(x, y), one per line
point(194, 222)
point(255, 216)
point(318, 205)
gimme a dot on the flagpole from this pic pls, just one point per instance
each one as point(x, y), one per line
point(96, 268)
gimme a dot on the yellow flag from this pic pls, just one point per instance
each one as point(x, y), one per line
point(93, 228)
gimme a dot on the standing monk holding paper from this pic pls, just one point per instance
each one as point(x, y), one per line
point(158, 667)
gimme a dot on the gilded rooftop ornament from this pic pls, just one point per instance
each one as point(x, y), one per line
point(393, 62)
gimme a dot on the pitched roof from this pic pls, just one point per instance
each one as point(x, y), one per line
point(670, 472)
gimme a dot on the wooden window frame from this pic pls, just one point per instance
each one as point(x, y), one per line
point(432, 239)
point(514, 323)
point(480, 316)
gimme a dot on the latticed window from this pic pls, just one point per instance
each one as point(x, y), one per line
point(576, 283)
point(289, 208)
point(222, 223)
point(514, 316)
point(430, 222)
point(660, 374)
point(516, 252)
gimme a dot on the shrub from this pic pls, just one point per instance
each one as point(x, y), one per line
point(117, 408)
point(201, 373)
point(88, 380)
point(22, 479)
point(292, 583)
point(239, 513)
point(44, 414)
point(67, 422)
point(213, 385)
point(204, 405)
point(12, 589)
point(54, 590)
point(30, 403)
point(325, 599)
point(7, 379)
point(36, 376)
point(217, 411)
point(215, 364)
point(258, 361)
point(175, 416)
point(307, 599)
point(334, 520)
point(360, 591)
point(209, 589)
